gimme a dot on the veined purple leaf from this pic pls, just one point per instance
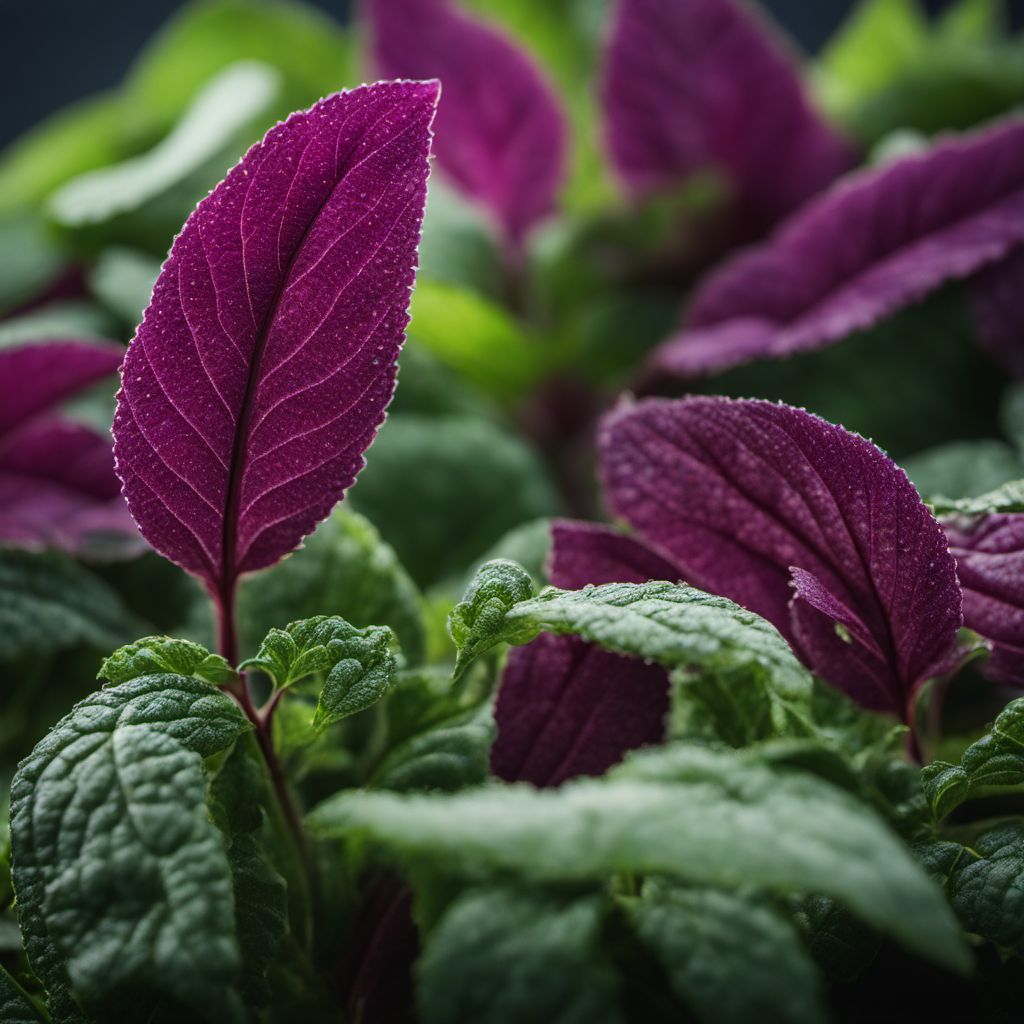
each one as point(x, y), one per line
point(265, 361)
point(802, 522)
point(990, 563)
point(997, 296)
point(696, 84)
point(501, 133)
point(566, 707)
point(879, 241)
point(57, 482)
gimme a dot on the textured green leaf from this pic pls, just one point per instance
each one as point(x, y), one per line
point(309, 49)
point(123, 881)
point(155, 654)
point(697, 815)
point(167, 181)
point(729, 959)
point(415, 467)
point(673, 624)
point(15, 1005)
point(489, 349)
point(508, 956)
point(447, 757)
point(358, 664)
point(480, 620)
point(344, 569)
point(841, 945)
point(985, 882)
point(963, 469)
point(122, 279)
point(1007, 498)
point(997, 759)
point(48, 602)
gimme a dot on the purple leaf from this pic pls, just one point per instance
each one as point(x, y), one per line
point(566, 707)
point(802, 522)
point(265, 361)
point(36, 377)
point(501, 134)
point(997, 296)
point(877, 242)
point(57, 482)
point(694, 84)
point(990, 562)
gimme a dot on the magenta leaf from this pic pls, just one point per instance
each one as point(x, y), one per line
point(697, 84)
point(802, 522)
point(501, 133)
point(877, 242)
point(265, 362)
point(57, 482)
point(990, 562)
point(997, 298)
point(566, 707)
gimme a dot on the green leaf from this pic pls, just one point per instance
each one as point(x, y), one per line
point(509, 956)
point(963, 469)
point(122, 879)
point(841, 945)
point(344, 569)
point(1008, 498)
point(123, 280)
point(415, 467)
point(57, 320)
point(480, 620)
point(157, 189)
point(447, 757)
point(489, 348)
point(48, 602)
point(155, 654)
point(358, 663)
point(29, 256)
point(729, 959)
point(237, 795)
point(79, 138)
point(972, 21)
point(673, 624)
point(985, 882)
point(16, 1007)
point(309, 49)
point(702, 816)
point(996, 760)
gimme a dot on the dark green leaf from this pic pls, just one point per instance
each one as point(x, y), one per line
point(155, 654)
point(122, 879)
point(701, 816)
point(997, 759)
point(15, 1005)
point(729, 959)
point(509, 956)
point(841, 945)
point(48, 602)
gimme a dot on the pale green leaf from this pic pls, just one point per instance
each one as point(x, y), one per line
point(122, 878)
point(155, 654)
point(123, 280)
point(697, 815)
point(963, 469)
point(1007, 498)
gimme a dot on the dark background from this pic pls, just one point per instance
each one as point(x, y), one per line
point(52, 53)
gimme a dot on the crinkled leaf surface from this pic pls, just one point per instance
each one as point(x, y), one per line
point(122, 878)
point(1008, 497)
point(746, 495)
point(507, 956)
point(997, 759)
point(989, 554)
point(153, 655)
point(15, 1005)
point(706, 816)
point(729, 959)
point(704, 84)
point(265, 361)
point(877, 242)
point(48, 602)
point(344, 569)
point(501, 134)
